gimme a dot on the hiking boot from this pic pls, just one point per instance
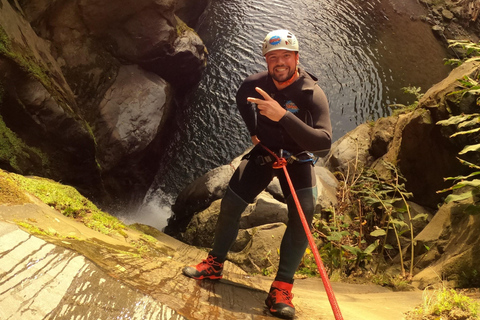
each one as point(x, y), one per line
point(207, 269)
point(279, 300)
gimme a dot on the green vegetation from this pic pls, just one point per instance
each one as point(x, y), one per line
point(70, 203)
point(5, 43)
point(25, 60)
point(308, 265)
point(397, 282)
point(445, 304)
point(373, 222)
point(401, 108)
point(356, 234)
point(468, 50)
point(377, 206)
point(32, 229)
point(466, 128)
point(14, 151)
point(10, 193)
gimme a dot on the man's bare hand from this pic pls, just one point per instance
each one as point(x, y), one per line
point(268, 107)
point(255, 140)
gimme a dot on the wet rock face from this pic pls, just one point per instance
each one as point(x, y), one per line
point(137, 29)
point(91, 87)
point(41, 280)
point(189, 10)
point(131, 114)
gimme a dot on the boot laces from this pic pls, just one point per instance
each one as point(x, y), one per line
point(282, 296)
point(209, 264)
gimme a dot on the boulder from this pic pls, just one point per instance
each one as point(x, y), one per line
point(262, 253)
point(255, 250)
point(438, 99)
point(132, 113)
point(422, 162)
point(84, 53)
point(447, 15)
point(103, 16)
point(350, 152)
point(266, 210)
point(275, 189)
point(190, 10)
point(201, 229)
point(447, 249)
point(327, 185)
point(184, 63)
point(199, 194)
point(382, 136)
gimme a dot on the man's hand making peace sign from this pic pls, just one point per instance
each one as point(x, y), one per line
point(268, 107)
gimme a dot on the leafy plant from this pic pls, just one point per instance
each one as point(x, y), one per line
point(445, 304)
point(468, 126)
point(308, 265)
point(397, 283)
point(270, 268)
point(383, 196)
point(399, 108)
point(369, 209)
point(471, 51)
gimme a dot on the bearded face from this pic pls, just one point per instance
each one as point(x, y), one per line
point(282, 64)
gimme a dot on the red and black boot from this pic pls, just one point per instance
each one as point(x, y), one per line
point(207, 269)
point(279, 300)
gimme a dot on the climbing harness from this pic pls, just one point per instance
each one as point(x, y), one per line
point(301, 157)
point(281, 163)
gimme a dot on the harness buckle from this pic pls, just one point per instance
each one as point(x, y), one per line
point(263, 160)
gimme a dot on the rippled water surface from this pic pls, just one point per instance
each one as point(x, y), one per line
point(362, 52)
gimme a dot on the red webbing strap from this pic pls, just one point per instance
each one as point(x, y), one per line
point(282, 163)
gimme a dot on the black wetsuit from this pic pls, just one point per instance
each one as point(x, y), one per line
point(306, 127)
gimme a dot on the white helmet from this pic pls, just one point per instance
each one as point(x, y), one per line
point(279, 40)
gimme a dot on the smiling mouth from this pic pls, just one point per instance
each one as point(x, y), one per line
point(281, 69)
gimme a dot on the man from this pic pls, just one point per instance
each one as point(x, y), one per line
point(287, 112)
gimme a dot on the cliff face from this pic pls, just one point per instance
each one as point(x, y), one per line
point(87, 87)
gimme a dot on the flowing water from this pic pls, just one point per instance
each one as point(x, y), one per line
point(362, 51)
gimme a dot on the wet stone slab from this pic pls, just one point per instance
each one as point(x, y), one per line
point(39, 280)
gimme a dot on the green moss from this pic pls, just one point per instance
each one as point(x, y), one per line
point(10, 193)
point(15, 152)
point(70, 203)
point(24, 58)
point(148, 238)
point(30, 228)
point(5, 42)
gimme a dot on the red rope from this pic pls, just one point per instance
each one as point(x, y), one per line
point(282, 163)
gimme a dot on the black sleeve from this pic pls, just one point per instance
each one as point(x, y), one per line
point(316, 138)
